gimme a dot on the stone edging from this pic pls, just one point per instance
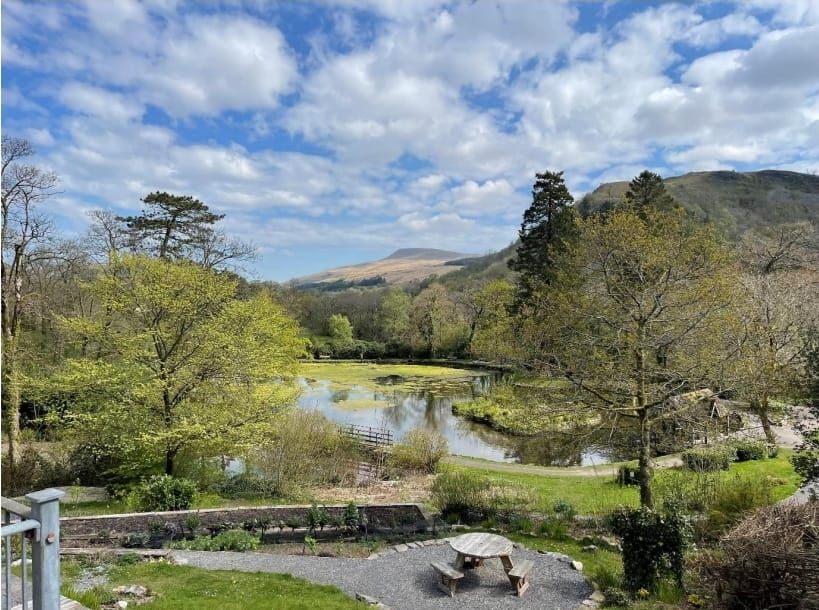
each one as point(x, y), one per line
point(593, 601)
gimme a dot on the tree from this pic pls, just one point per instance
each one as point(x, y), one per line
point(393, 315)
point(175, 227)
point(781, 287)
point(548, 229)
point(647, 191)
point(640, 320)
point(492, 335)
point(24, 230)
point(435, 323)
point(340, 330)
point(183, 364)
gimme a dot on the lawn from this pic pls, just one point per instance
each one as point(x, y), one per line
point(600, 494)
point(344, 375)
point(188, 588)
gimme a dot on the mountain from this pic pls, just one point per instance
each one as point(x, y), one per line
point(734, 201)
point(401, 267)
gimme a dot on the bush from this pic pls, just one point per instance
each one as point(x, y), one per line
point(653, 546)
point(164, 492)
point(735, 497)
point(420, 451)
point(472, 498)
point(564, 509)
point(230, 540)
point(708, 459)
point(245, 486)
point(614, 597)
point(749, 449)
point(769, 560)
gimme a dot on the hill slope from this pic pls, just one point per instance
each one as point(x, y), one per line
point(734, 201)
point(401, 267)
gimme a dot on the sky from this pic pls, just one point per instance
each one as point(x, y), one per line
point(335, 132)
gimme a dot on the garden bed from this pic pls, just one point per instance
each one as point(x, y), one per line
point(273, 523)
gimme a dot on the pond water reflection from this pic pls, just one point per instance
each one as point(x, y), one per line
point(394, 404)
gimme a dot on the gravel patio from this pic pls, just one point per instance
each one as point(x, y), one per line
point(405, 580)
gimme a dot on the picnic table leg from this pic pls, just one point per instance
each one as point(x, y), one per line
point(507, 563)
point(459, 562)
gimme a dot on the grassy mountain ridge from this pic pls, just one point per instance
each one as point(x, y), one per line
point(734, 201)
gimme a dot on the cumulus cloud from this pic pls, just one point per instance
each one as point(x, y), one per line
point(364, 122)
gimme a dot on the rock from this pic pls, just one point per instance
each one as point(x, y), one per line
point(597, 596)
point(590, 548)
point(608, 543)
point(588, 603)
point(576, 565)
point(366, 599)
point(122, 604)
point(131, 590)
point(401, 548)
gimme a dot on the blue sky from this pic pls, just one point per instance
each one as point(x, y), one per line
point(335, 132)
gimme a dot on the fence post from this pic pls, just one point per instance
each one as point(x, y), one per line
point(45, 556)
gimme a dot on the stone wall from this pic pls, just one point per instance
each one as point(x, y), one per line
point(127, 529)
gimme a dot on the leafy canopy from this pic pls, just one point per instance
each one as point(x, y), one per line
point(183, 364)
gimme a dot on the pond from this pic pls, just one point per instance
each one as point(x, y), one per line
point(401, 397)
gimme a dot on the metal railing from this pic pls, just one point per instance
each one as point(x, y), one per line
point(39, 526)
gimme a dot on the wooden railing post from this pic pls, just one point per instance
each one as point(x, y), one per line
point(45, 556)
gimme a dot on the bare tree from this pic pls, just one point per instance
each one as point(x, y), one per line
point(24, 229)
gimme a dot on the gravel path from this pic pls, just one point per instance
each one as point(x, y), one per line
point(406, 580)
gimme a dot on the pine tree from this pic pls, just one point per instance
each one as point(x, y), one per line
point(647, 191)
point(549, 227)
point(171, 224)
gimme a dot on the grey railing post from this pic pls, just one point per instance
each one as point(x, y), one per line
point(45, 555)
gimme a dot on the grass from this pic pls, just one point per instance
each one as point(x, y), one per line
point(600, 495)
point(344, 375)
point(188, 588)
point(203, 500)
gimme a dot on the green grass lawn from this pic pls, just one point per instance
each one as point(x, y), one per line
point(188, 588)
point(344, 375)
point(600, 494)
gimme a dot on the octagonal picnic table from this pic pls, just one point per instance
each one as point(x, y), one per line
point(473, 548)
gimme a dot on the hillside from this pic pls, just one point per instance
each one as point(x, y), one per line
point(734, 201)
point(401, 267)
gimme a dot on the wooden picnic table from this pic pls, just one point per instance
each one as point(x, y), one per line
point(472, 549)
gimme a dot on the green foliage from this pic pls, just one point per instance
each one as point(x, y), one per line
point(245, 485)
point(340, 330)
point(615, 597)
point(552, 528)
point(749, 449)
point(352, 517)
point(183, 365)
point(164, 492)
point(311, 543)
point(653, 545)
point(547, 231)
point(230, 540)
point(472, 498)
point(564, 509)
point(419, 451)
point(708, 459)
point(735, 497)
point(806, 464)
point(317, 517)
point(647, 191)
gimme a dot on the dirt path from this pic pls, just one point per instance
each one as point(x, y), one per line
point(603, 470)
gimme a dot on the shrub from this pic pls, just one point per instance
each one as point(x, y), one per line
point(420, 451)
point(735, 497)
point(749, 449)
point(653, 546)
point(769, 560)
point(164, 492)
point(564, 509)
point(708, 459)
point(471, 498)
point(231, 540)
point(554, 529)
point(317, 517)
point(245, 486)
point(615, 597)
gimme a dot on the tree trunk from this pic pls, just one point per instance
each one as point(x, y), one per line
point(646, 469)
point(170, 456)
point(11, 404)
point(760, 407)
